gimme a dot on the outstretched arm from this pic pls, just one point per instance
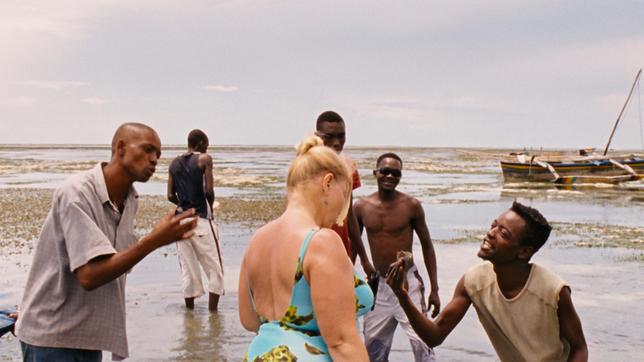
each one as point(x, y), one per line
point(105, 268)
point(433, 333)
point(355, 235)
point(570, 327)
point(429, 256)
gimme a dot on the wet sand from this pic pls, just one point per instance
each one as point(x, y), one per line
point(597, 245)
point(160, 328)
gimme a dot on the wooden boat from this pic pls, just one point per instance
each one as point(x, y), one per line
point(588, 170)
point(584, 167)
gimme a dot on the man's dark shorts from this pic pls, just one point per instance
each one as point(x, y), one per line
point(32, 353)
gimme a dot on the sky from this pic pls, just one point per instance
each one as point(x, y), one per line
point(509, 74)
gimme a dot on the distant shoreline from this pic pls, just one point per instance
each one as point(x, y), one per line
point(46, 146)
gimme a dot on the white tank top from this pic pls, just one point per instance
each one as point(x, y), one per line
point(526, 327)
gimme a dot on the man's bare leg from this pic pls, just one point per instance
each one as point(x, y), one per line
point(213, 302)
point(190, 303)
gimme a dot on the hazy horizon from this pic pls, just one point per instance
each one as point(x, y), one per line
point(347, 147)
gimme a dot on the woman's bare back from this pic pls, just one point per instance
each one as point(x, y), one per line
point(271, 264)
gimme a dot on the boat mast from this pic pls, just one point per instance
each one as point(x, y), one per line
point(637, 77)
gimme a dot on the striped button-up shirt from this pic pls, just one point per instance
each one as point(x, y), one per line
point(56, 311)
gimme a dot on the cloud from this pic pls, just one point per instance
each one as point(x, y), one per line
point(20, 101)
point(393, 108)
point(398, 103)
point(52, 84)
point(220, 88)
point(595, 60)
point(56, 20)
point(95, 101)
point(414, 109)
point(40, 25)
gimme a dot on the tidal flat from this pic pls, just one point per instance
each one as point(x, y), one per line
point(24, 211)
point(20, 229)
point(596, 244)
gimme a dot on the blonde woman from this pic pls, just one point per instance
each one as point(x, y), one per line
point(297, 288)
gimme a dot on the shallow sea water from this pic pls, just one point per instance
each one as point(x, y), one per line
point(461, 190)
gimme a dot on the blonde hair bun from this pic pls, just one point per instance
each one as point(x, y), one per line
point(306, 144)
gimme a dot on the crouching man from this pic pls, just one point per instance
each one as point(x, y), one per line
point(525, 309)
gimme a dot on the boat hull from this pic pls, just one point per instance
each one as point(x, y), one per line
point(597, 171)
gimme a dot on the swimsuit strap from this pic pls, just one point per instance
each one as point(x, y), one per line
point(252, 297)
point(299, 270)
point(304, 248)
point(262, 320)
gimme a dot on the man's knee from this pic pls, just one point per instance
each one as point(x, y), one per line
point(378, 350)
point(422, 353)
point(379, 335)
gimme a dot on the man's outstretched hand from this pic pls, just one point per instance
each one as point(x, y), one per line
point(173, 228)
point(397, 278)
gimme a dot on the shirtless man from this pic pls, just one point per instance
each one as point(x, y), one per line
point(391, 217)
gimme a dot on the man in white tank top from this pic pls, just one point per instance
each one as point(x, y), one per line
point(525, 309)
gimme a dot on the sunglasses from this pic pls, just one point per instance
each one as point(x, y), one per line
point(386, 171)
point(329, 136)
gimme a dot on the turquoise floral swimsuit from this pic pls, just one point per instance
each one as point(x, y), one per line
point(296, 337)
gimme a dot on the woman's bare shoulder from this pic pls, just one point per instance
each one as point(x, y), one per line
point(327, 245)
point(328, 236)
point(260, 236)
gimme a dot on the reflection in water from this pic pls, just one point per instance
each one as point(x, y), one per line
point(610, 194)
point(201, 337)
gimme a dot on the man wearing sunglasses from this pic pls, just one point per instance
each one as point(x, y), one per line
point(331, 129)
point(391, 218)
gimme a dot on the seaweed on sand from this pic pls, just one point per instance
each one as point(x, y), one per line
point(24, 210)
